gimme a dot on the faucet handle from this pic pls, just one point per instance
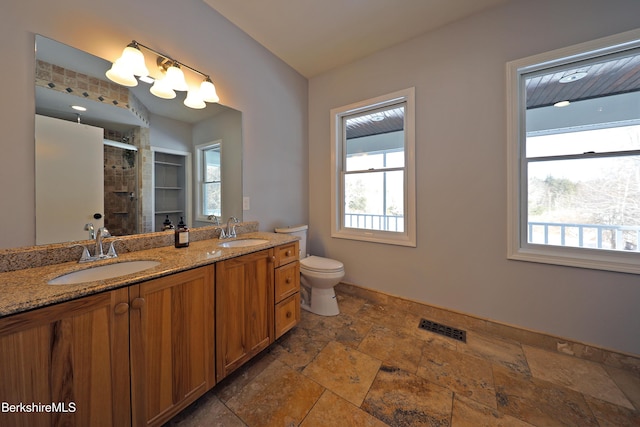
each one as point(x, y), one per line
point(222, 235)
point(86, 256)
point(112, 251)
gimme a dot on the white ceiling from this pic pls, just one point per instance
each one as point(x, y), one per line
point(314, 36)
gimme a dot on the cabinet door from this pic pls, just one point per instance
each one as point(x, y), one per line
point(172, 344)
point(244, 309)
point(74, 355)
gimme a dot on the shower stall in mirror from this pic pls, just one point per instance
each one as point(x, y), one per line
point(120, 186)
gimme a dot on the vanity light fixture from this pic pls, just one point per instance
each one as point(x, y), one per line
point(194, 99)
point(561, 103)
point(132, 64)
point(162, 89)
point(78, 108)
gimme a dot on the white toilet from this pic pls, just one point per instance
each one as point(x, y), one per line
point(318, 276)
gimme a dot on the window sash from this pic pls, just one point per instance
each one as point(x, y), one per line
point(518, 247)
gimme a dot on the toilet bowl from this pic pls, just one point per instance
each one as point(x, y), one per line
point(318, 276)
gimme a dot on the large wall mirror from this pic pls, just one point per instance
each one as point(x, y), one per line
point(126, 160)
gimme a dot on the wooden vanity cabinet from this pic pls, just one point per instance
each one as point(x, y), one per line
point(287, 288)
point(244, 309)
point(74, 354)
point(132, 356)
point(138, 355)
point(172, 344)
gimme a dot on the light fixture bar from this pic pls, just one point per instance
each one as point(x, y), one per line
point(169, 58)
point(131, 64)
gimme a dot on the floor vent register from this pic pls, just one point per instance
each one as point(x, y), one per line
point(447, 331)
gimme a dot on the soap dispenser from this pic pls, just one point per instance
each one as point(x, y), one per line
point(182, 235)
point(167, 224)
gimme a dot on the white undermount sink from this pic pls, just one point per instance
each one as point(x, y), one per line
point(242, 243)
point(109, 271)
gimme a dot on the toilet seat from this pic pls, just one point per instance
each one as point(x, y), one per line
point(316, 264)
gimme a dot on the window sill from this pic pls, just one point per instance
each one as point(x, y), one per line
point(621, 262)
point(397, 239)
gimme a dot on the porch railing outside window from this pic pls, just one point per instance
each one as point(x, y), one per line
point(374, 222)
point(597, 236)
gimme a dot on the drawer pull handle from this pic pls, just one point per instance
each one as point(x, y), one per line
point(288, 314)
point(121, 308)
point(288, 280)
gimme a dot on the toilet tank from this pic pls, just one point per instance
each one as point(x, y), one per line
point(299, 231)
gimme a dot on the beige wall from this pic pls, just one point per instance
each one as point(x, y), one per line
point(272, 97)
point(460, 262)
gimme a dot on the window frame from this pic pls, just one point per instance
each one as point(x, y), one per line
point(200, 181)
point(518, 248)
point(338, 230)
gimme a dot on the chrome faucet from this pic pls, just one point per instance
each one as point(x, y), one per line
point(231, 229)
point(99, 251)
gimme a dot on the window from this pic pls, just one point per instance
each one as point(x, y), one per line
point(574, 156)
point(209, 170)
point(373, 177)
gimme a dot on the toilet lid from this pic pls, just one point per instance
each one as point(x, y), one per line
point(320, 264)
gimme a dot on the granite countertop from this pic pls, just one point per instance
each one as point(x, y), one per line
point(27, 289)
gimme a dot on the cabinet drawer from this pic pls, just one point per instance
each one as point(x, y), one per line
point(287, 314)
point(287, 280)
point(286, 253)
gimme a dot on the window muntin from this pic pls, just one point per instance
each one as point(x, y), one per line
point(373, 190)
point(575, 171)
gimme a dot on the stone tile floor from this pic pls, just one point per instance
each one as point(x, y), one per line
point(372, 366)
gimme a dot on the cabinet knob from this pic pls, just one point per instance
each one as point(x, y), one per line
point(289, 252)
point(137, 303)
point(289, 314)
point(121, 308)
point(288, 280)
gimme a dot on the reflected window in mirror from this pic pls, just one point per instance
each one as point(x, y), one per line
point(209, 179)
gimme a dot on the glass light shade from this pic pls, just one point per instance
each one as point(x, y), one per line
point(208, 91)
point(121, 74)
point(175, 78)
point(194, 100)
point(134, 59)
point(162, 89)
